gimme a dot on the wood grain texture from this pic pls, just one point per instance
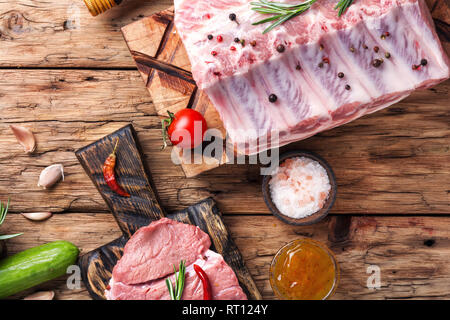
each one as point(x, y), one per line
point(72, 37)
point(412, 252)
point(141, 208)
point(395, 161)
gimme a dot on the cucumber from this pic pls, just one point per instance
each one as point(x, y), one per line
point(36, 265)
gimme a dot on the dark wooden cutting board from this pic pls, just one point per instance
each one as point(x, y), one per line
point(141, 209)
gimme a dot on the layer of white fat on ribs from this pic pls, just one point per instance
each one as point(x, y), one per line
point(319, 45)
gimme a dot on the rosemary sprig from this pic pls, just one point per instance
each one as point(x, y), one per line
point(282, 12)
point(176, 291)
point(343, 6)
point(3, 212)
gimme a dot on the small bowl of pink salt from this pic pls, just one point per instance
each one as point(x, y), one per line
point(301, 190)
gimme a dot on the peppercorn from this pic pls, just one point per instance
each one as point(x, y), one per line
point(233, 48)
point(377, 62)
point(321, 47)
point(243, 42)
point(273, 98)
point(347, 87)
point(237, 40)
point(387, 55)
point(253, 43)
point(298, 67)
point(376, 49)
point(416, 66)
point(341, 75)
point(382, 37)
point(210, 37)
point(365, 46)
point(326, 60)
point(219, 38)
point(352, 49)
point(387, 34)
point(280, 48)
point(214, 53)
point(232, 16)
point(424, 62)
point(320, 65)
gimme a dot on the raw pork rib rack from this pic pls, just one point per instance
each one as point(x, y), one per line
point(382, 50)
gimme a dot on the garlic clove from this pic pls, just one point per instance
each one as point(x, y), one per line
point(41, 295)
point(25, 137)
point(50, 175)
point(37, 216)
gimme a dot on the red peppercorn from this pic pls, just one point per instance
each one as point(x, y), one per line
point(326, 60)
point(214, 53)
point(233, 48)
point(387, 34)
point(219, 38)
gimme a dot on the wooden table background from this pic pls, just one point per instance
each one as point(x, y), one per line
point(70, 78)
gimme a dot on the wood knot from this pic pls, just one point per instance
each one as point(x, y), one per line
point(15, 21)
point(429, 242)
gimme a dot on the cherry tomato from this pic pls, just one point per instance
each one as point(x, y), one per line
point(185, 129)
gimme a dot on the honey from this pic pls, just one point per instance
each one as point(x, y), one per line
point(304, 269)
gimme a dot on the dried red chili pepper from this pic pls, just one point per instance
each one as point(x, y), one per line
point(207, 294)
point(110, 175)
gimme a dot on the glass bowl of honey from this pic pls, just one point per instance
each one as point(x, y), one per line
point(304, 269)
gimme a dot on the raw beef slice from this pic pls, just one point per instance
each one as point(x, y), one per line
point(224, 284)
point(153, 250)
point(318, 46)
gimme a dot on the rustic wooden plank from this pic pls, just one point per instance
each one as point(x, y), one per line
point(412, 252)
point(72, 37)
point(393, 161)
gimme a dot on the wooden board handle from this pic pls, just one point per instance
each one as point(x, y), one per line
point(142, 207)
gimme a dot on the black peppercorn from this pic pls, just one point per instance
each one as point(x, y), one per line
point(273, 98)
point(320, 65)
point(340, 74)
point(232, 16)
point(347, 87)
point(253, 43)
point(424, 62)
point(210, 37)
point(280, 48)
point(376, 49)
point(237, 40)
point(387, 55)
point(298, 67)
point(365, 46)
point(377, 62)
